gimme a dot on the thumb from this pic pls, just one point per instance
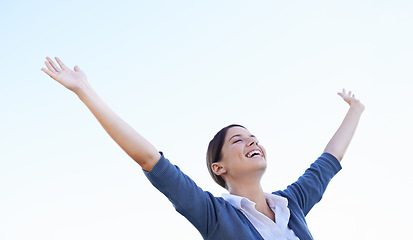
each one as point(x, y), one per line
point(77, 68)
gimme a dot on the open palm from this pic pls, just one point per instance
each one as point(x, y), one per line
point(71, 79)
point(350, 98)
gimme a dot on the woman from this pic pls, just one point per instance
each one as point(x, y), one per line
point(236, 161)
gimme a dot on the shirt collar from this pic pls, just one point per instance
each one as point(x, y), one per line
point(239, 202)
point(234, 200)
point(275, 200)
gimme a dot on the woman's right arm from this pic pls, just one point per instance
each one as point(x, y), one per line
point(137, 147)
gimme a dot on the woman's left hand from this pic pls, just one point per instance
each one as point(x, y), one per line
point(351, 99)
point(342, 138)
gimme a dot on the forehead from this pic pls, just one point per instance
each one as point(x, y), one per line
point(237, 131)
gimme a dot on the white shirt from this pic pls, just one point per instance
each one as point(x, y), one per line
point(268, 229)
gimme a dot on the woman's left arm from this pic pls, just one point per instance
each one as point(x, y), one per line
point(338, 144)
point(310, 187)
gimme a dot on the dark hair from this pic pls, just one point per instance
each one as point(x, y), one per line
point(214, 152)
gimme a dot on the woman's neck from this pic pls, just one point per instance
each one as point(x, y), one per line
point(250, 191)
point(254, 192)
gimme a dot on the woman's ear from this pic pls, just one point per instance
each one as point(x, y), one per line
point(218, 169)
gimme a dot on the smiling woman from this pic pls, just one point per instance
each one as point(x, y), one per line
point(236, 161)
point(241, 158)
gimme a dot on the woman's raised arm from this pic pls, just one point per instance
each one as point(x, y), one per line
point(341, 139)
point(137, 147)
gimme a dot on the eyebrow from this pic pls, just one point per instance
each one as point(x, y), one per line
point(239, 135)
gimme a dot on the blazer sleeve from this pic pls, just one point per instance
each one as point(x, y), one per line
point(310, 187)
point(191, 201)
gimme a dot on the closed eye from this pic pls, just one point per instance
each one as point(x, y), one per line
point(236, 141)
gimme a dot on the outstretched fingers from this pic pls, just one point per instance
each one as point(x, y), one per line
point(53, 65)
point(50, 67)
point(48, 72)
point(342, 93)
point(61, 64)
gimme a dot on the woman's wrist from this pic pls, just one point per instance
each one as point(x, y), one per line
point(357, 106)
point(84, 90)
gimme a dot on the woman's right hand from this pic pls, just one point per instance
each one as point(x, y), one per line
point(73, 80)
point(137, 147)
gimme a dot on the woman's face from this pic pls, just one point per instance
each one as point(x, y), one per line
point(242, 155)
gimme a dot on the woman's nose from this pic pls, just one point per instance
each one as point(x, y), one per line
point(251, 142)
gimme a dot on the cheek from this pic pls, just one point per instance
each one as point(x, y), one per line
point(238, 151)
point(232, 156)
point(233, 150)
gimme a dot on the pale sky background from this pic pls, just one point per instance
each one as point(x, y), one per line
point(178, 71)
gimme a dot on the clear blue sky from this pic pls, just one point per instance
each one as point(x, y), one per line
point(178, 71)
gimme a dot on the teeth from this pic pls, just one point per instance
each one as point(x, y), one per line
point(249, 155)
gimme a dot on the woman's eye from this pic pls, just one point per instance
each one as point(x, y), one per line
point(239, 140)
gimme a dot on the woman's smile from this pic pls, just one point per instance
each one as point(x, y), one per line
point(254, 153)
